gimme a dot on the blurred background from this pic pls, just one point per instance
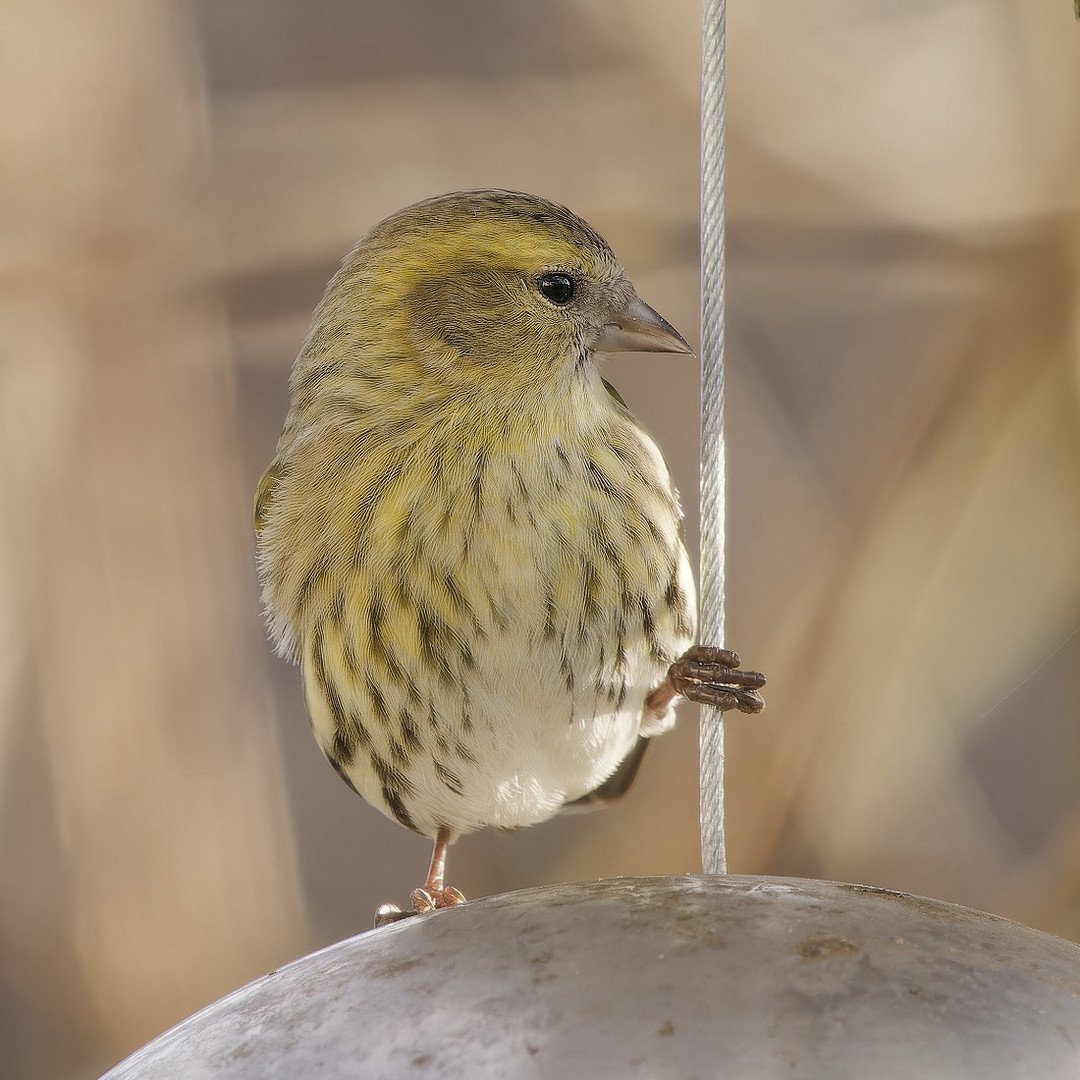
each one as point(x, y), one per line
point(179, 180)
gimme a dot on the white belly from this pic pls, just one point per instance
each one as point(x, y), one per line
point(530, 744)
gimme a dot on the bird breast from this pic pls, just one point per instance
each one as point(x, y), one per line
point(488, 623)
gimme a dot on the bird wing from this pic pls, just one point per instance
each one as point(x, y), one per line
point(617, 784)
point(613, 393)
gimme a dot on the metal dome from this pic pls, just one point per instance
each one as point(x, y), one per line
point(673, 976)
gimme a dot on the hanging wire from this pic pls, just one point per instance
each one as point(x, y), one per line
point(713, 853)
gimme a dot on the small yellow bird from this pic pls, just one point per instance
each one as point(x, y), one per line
point(469, 544)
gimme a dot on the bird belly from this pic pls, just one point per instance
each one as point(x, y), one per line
point(506, 747)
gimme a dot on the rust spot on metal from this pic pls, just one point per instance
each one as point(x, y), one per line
point(825, 946)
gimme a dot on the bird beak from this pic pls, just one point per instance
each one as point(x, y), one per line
point(637, 328)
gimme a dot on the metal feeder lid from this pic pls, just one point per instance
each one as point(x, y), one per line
point(654, 977)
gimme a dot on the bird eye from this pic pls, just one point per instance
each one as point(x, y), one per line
point(556, 287)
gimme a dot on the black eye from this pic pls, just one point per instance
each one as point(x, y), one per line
point(556, 287)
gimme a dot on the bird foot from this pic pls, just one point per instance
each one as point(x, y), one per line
point(712, 676)
point(423, 901)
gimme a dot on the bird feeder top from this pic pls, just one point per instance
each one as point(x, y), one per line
point(684, 976)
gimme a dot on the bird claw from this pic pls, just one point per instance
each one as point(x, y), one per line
point(711, 676)
point(425, 900)
point(386, 914)
point(422, 901)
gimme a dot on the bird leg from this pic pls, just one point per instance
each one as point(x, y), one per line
point(435, 894)
point(709, 676)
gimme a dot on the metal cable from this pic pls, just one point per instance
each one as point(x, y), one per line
point(713, 854)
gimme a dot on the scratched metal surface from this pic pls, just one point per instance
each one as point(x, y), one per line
point(674, 976)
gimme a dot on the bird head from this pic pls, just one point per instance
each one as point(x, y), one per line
point(477, 286)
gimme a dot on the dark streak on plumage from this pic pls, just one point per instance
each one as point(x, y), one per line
point(656, 533)
point(519, 481)
point(648, 620)
point(550, 631)
point(378, 701)
point(405, 528)
point(675, 598)
point(468, 660)
point(434, 723)
point(626, 596)
point(501, 619)
point(348, 652)
point(394, 668)
point(648, 623)
point(448, 777)
point(395, 784)
point(402, 583)
point(478, 481)
point(330, 694)
point(560, 452)
point(621, 452)
point(566, 669)
point(457, 598)
point(376, 618)
point(398, 808)
point(340, 770)
point(410, 732)
point(313, 579)
point(412, 691)
point(610, 552)
point(435, 641)
point(590, 585)
point(337, 608)
point(308, 387)
point(581, 355)
point(446, 518)
point(343, 746)
point(598, 479)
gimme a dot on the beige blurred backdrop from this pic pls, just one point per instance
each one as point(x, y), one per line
point(179, 179)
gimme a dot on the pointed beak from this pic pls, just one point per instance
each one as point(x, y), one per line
point(637, 328)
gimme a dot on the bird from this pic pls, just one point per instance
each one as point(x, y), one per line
point(470, 546)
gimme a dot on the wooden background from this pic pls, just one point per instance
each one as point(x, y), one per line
point(179, 178)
